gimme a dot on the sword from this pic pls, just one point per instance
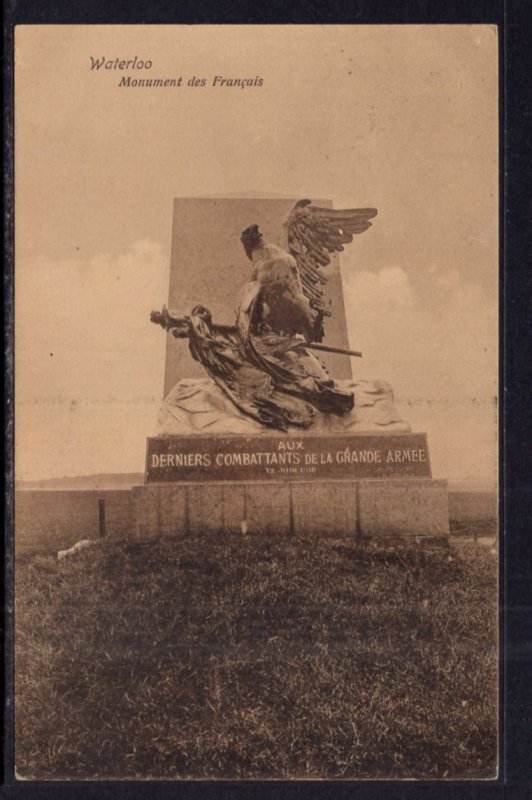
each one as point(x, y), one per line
point(327, 349)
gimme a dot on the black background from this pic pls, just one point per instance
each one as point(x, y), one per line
point(513, 19)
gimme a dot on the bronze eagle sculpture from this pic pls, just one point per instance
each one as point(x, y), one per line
point(285, 294)
point(261, 363)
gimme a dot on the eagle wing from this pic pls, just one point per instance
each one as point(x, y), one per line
point(311, 234)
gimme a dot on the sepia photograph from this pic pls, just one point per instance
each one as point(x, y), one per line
point(256, 402)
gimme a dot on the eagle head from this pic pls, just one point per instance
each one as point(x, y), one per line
point(251, 238)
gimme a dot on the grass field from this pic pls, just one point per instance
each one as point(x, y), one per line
point(257, 657)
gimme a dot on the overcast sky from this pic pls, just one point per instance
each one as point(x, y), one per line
point(400, 118)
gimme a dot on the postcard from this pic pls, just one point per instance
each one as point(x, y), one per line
point(256, 371)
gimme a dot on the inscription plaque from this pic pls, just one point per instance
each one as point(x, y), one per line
point(259, 458)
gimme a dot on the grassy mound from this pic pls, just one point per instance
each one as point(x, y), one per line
point(258, 657)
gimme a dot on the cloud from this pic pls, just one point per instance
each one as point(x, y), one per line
point(436, 342)
point(390, 287)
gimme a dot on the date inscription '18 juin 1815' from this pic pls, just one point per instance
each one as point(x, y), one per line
point(245, 458)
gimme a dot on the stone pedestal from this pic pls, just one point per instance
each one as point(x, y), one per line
point(342, 484)
point(368, 508)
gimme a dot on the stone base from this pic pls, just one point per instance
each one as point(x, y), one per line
point(367, 508)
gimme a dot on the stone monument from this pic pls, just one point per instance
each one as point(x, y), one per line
point(262, 426)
